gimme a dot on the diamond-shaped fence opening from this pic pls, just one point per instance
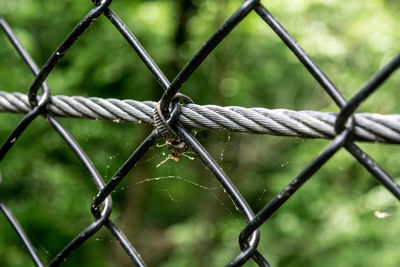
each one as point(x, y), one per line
point(176, 119)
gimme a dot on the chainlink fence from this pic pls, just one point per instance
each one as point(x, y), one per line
point(175, 115)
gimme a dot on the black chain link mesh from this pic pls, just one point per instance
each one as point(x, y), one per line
point(181, 138)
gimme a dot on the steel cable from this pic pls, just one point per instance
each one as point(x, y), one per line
point(369, 127)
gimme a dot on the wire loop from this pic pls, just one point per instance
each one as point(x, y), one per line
point(165, 126)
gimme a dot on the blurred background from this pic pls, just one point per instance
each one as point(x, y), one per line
point(175, 213)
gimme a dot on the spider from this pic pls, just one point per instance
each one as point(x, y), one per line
point(177, 149)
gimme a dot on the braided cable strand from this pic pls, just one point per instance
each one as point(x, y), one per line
point(282, 122)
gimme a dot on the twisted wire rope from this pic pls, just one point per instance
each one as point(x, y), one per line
point(369, 127)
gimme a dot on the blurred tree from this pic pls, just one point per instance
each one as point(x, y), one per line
point(175, 213)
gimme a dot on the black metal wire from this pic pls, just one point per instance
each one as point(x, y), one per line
point(20, 128)
point(22, 235)
point(373, 84)
point(101, 218)
point(101, 207)
point(205, 50)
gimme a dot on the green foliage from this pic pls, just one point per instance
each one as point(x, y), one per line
point(175, 213)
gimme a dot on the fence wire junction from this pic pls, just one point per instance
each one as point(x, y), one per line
point(175, 115)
